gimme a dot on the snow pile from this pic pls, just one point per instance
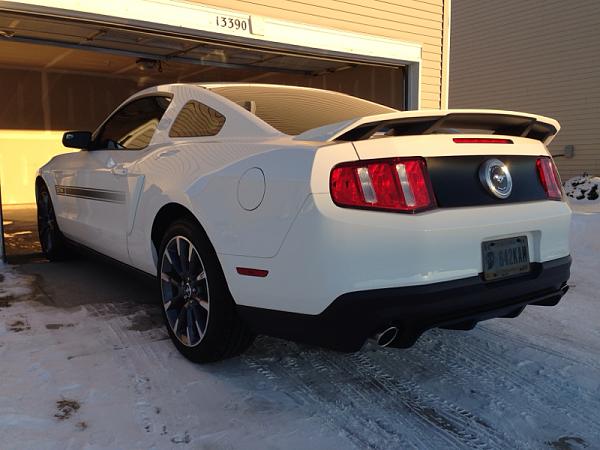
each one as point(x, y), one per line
point(583, 193)
point(584, 188)
point(13, 285)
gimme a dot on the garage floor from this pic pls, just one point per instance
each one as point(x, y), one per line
point(20, 233)
point(80, 281)
point(86, 363)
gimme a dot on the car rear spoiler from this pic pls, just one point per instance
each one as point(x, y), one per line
point(462, 121)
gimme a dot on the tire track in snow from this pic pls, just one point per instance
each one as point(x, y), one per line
point(468, 379)
point(335, 410)
point(380, 405)
point(384, 396)
point(469, 420)
point(430, 422)
point(340, 404)
point(452, 423)
point(127, 357)
point(459, 426)
point(134, 354)
point(300, 392)
point(497, 373)
point(517, 340)
point(375, 399)
point(515, 380)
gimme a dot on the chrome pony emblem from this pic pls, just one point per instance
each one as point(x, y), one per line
point(495, 177)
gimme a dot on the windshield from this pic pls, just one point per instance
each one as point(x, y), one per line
point(294, 110)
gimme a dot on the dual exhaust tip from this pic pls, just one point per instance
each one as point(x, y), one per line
point(386, 336)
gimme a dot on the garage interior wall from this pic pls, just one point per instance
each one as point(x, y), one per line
point(38, 100)
point(38, 107)
point(538, 57)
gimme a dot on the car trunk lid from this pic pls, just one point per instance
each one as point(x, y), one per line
point(455, 166)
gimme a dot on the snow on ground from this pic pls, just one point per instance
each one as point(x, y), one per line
point(13, 285)
point(104, 376)
point(583, 193)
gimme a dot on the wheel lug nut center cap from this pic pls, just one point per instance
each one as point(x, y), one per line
point(187, 290)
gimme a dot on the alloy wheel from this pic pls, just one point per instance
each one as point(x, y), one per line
point(185, 292)
point(46, 221)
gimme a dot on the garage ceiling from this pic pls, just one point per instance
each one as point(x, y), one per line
point(93, 47)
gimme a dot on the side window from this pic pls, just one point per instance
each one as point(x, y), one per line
point(132, 126)
point(196, 119)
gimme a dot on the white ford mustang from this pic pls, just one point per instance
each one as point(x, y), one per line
point(312, 215)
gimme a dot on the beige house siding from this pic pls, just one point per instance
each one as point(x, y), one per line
point(536, 56)
point(416, 21)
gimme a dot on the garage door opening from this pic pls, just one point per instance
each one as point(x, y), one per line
point(60, 74)
point(52, 88)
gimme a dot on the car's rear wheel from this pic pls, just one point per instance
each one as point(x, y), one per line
point(199, 311)
point(52, 240)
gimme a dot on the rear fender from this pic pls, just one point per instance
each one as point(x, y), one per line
point(259, 228)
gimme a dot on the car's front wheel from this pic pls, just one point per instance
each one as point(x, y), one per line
point(198, 309)
point(52, 241)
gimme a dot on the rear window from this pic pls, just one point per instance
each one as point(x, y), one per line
point(294, 110)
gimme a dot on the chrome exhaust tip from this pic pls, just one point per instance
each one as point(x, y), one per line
point(386, 336)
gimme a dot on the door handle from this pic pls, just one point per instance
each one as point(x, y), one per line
point(110, 163)
point(120, 170)
point(167, 153)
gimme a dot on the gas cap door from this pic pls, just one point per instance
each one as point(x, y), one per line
point(251, 189)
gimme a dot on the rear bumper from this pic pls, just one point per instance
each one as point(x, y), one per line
point(330, 251)
point(460, 304)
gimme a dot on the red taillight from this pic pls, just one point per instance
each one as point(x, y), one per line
point(549, 178)
point(394, 184)
point(481, 141)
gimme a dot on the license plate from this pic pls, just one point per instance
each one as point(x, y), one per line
point(505, 258)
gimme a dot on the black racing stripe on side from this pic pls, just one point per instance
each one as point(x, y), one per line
point(92, 198)
point(455, 180)
point(103, 195)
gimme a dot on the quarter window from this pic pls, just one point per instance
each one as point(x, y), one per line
point(132, 126)
point(195, 120)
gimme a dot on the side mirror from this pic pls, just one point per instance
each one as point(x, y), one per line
point(77, 139)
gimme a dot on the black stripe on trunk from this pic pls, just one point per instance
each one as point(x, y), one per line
point(455, 180)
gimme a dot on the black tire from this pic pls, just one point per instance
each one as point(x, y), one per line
point(199, 312)
point(53, 243)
